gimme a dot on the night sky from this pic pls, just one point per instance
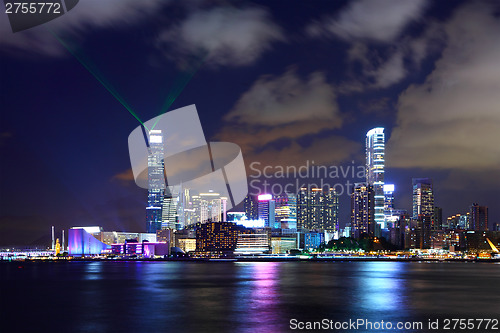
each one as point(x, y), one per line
point(288, 81)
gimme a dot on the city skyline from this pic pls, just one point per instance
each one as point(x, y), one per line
point(289, 82)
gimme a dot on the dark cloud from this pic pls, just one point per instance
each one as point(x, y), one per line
point(228, 36)
point(451, 120)
point(287, 99)
point(373, 20)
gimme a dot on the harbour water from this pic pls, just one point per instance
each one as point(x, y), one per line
point(129, 296)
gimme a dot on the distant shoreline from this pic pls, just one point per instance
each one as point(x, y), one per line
point(201, 260)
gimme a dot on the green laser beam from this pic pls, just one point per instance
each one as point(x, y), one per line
point(176, 91)
point(101, 80)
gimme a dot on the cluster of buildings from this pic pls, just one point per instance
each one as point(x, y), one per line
point(179, 220)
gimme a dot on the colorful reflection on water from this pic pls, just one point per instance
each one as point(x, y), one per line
point(239, 297)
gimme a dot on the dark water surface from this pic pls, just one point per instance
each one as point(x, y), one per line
point(240, 297)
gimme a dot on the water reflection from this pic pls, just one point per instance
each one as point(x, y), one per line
point(381, 288)
point(242, 297)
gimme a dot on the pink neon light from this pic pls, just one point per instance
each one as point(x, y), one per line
point(265, 197)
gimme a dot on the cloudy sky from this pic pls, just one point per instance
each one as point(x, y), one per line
point(289, 81)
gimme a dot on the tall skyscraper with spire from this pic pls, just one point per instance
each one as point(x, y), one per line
point(375, 152)
point(156, 182)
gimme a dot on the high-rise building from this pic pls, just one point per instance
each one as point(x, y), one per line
point(362, 210)
point(423, 228)
point(375, 152)
point(156, 182)
point(317, 209)
point(388, 197)
point(423, 197)
point(267, 210)
point(251, 207)
point(437, 219)
point(389, 216)
point(212, 207)
point(286, 211)
point(170, 215)
point(478, 217)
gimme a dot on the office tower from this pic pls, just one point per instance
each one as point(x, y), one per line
point(286, 211)
point(156, 182)
point(251, 207)
point(375, 152)
point(464, 221)
point(317, 209)
point(184, 209)
point(423, 197)
point(423, 210)
point(170, 215)
point(437, 219)
point(424, 231)
point(362, 210)
point(452, 222)
point(478, 217)
point(389, 217)
point(212, 207)
point(266, 209)
point(388, 197)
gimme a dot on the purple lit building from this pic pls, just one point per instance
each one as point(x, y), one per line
point(81, 242)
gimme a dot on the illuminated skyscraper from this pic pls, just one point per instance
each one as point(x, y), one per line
point(437, 219)
point(375, 152)
point(423, 197)
point(478, 217)
point(266, 209)
point(286, 211)
point(212, 207)
point(251, 208)
point(388, 197)
point(423, 210)
point(170, 215)
point(317, 209)
point(362, 210)
point(156, 182)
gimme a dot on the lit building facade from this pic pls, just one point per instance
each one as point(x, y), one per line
point(252, 243)
point(82, 241)
point(170, 215)
point(317, 209)
point(375, 162)
point(286, 211)
point(478, 217)
point(217, 237)
point(156, 182)
point(423, 197)
point(282, 245)
point(437, 219)
point(251, 207)
point(362, 210)
point(266, 210)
